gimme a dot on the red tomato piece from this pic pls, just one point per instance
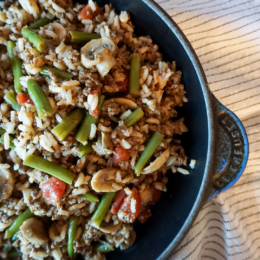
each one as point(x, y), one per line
point(87, 13)
point(121, 155)
point(144, 215)
point(124, 85)
point(53, 190)
point(23, 98)
point(131, 206)
point(118, 201)
point(155, 196)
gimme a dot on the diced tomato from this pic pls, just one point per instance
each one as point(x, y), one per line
point(121, 155)
point(144, 214)
point(155, 196)
point(131, 206)
point(53, 190)
point(23, 98)
point(87, 14)
point(124, 85)
point(118, 201)
point(95, 112)
point(94, 92)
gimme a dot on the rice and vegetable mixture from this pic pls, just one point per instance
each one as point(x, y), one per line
point(87, 129)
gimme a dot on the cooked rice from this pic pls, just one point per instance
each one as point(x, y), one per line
point(161, 92)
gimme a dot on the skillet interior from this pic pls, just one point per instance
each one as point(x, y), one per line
point(170, 214)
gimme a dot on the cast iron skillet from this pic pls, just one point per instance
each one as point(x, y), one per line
point(216, 139)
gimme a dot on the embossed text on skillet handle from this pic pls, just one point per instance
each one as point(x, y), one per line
point(231, 150)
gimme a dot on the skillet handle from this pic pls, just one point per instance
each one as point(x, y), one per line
point(231, 150)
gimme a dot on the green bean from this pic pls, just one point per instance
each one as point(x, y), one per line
point(72, 231)
point(103, 207)
point(84, 149)
point(16, 66)
point(103, 247)
point(68, 124)
point(134, 75)
point(148, 152)
point(18, 222)
point(134, 117)
point(39, 99)
point(11, 139)
point(2, 131)
point(10, 99)
point(52, 168)
point(15, 236)
point(84, 131)
point(40, 23)
point(82, 37)
point(90, 197)
point(13, 253)
point(36, 40)
point(59, 73)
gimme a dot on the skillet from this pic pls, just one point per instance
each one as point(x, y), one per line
point(216, 140)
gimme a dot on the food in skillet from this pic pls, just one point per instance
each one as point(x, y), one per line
point(87, 129)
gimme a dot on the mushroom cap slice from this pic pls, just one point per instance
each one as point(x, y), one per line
point(109, 227)
point(6, 184)
point(99, 53)
point(34, 231)
point(110, 179)
point(158, 163)
point(59, 31)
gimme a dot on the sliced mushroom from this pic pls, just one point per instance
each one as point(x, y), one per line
point(99, 53)
point(124, 101)
point(109, 227)
point(6, 183)
point(158, 163)
point(110, 179)
point(106, 142)
point(130, 241)
point(57, 231)
point(34, 231)
point(59, 31)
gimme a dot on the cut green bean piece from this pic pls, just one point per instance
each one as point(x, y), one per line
point(148, 152)
point(10, 99)
point(11, 138)
point(84, 131)
point(40, 23)
point(134, 117)
point(2, 131)
point(49, 167)
point(59, 73)
point(39, 99)
point(36, 40)
point(16, 63)
point(84, 149)
point(135, 74)
point(82, 37)
point(103, 247)
point(90, 197)
point(103, 207)
point(72, 231)
point(68, 124)
point(13, 229)
point(15, 236)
